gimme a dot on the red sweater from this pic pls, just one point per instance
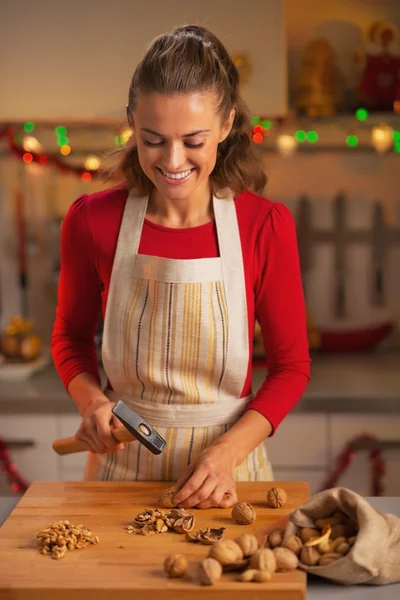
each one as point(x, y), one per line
point(273, 287)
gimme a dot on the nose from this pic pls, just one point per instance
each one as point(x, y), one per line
point(175, 157)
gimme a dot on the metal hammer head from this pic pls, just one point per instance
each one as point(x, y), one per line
point(139, 428)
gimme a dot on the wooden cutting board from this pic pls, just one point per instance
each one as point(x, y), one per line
point(126, 565)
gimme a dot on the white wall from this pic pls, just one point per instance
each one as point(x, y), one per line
point(66, 59)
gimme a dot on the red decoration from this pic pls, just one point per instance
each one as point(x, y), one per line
point(45, 159)
point(346, 457)
point(17, 483)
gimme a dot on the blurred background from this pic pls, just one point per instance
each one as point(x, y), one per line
point(322, 82)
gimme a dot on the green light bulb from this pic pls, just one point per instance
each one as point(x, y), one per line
point(300, 135)
point(312, 137)
point(255, 120)
point(352, 141)
point(362, 114)
point(29, 126)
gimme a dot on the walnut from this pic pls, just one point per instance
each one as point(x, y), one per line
point(276, 497)
point(209, 571)
point(175, 565)
point(264, 560)
point(327, 559)
point(275, 538)
point(322, 541)
point(247, 575)
point(184, 524)
point(305, 533)
point(337, 542)
point(206, 535)
point(167, 496)
point(343, 548)
point(286, 560)
point(294, 544)
point(262, 576)
point(226, 552)
point(309, 556)
point(243, 513)
point(248, 543)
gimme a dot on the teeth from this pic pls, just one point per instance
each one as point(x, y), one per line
point(176, 175)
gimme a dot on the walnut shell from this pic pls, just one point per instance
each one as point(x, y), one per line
point(305, 533)
point(343, 548)
point(243, 513)
point(175, 565)
point(293, 543)
point(209, 571)
point(226, 552)
point(206, 535)
point(275, 538)
point(276, 497)
point(248, 543)
point(328, 559)
point(309, 556)
point(184, 524)
point(167, 496)
point(264, 560)
point(286, 560)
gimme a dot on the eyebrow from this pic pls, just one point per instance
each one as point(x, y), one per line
point(186, 134)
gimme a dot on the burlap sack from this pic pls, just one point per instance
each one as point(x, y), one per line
point(375, 555)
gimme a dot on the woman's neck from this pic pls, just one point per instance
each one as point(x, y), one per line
point(183, 212)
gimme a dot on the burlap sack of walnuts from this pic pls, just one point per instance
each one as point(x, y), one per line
point(375, 556)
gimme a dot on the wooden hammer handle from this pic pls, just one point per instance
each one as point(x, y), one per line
point(71, 445)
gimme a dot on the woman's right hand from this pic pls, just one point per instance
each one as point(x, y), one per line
point(95, 430)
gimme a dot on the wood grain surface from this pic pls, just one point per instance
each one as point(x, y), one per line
point(126, 565)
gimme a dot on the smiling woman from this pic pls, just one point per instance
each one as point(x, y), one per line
point(180, 259)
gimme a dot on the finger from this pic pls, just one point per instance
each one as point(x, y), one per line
point(105, 436)
point(87, 441)
point(229, 498)
point(185, 477)
point(202, 494)
point(214, 499)
point(191, 486)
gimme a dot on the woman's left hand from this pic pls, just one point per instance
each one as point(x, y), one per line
point(210, 480)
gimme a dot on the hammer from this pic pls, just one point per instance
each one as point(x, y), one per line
point(134, 428)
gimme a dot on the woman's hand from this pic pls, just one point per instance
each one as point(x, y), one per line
point(95, 429)
point(210, 480)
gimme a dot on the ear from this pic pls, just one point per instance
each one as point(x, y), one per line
point(226, 128)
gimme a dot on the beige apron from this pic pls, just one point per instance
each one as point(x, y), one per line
point(176, 350)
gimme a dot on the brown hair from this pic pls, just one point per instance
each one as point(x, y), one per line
point(191, 59)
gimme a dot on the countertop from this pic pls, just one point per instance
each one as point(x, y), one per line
point(367, 383)
point(317, 589)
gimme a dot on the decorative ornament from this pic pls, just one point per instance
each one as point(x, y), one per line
point(382, 138)
point(320, 83)
point(379, 88)
point(286, 144)
point(16, 482)
point(244, 66)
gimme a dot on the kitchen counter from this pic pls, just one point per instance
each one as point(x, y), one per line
point(364, 383)
point(317, 589)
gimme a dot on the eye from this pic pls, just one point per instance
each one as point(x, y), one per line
point(194, 145)
point(153, 144)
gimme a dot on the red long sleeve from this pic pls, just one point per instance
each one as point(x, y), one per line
point(79, 298)
point(272, 275)
point(280, 310)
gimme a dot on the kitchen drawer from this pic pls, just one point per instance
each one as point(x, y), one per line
point(36, 461)
point(300, 440)
point(68, 425)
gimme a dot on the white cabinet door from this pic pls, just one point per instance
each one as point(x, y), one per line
point(301, 440)
point(34, 462)
point(344, 428)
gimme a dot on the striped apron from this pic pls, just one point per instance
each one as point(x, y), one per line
point(176, 350)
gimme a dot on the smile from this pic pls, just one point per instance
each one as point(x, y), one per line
point(176, 178)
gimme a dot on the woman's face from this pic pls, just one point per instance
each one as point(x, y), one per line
point(177, 139)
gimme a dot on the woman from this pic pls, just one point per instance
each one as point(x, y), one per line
point(180, 260)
